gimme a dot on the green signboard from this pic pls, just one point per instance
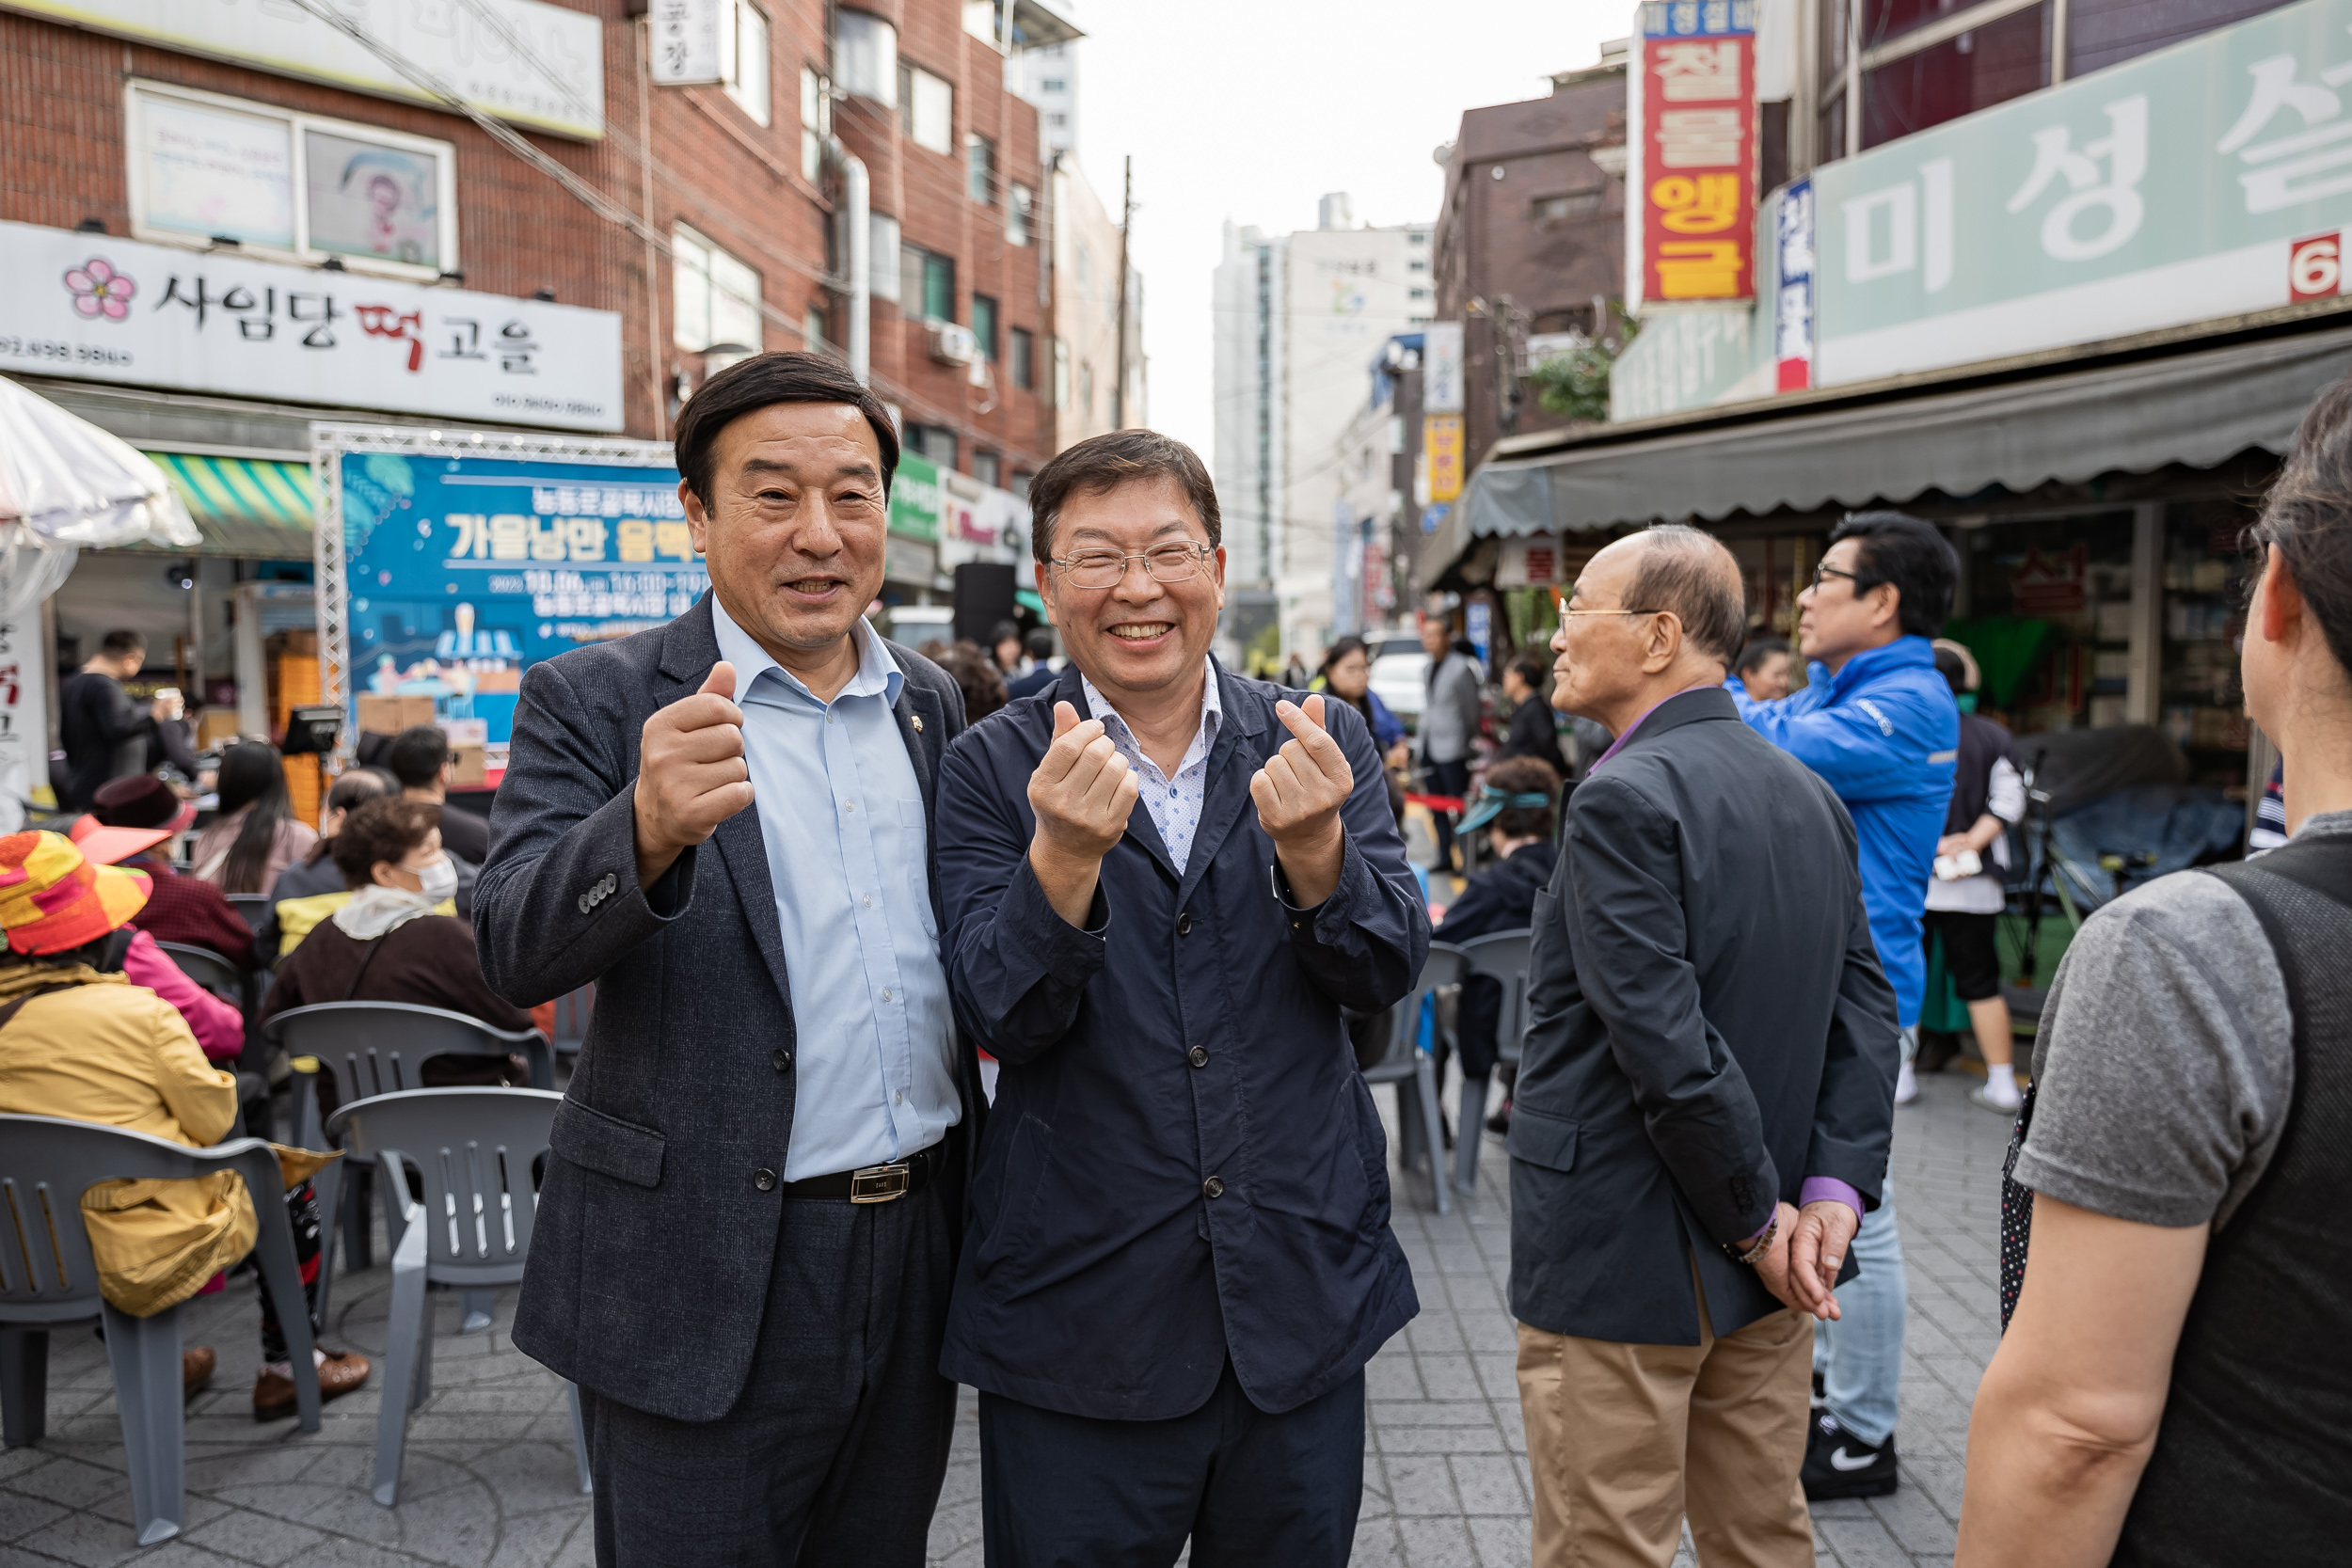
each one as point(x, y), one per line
point(914, 498)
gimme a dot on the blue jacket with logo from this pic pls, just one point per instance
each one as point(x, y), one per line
point(1885, 733)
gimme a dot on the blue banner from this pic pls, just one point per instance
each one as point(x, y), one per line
point(462, 571)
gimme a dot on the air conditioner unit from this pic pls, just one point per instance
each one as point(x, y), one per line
point(954, 344)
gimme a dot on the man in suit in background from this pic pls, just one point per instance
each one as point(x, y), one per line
point(748, 1227)
point(1449, 723)
point(1713, 1043)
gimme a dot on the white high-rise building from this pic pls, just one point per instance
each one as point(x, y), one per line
point(1300, 320)
point(1049, 79)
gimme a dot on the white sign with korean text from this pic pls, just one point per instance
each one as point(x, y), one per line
point(101, 309)
point(446, 38)
point(685, 39)
point(1441, 367)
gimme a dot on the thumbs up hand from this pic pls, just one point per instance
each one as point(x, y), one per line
point(692, 773)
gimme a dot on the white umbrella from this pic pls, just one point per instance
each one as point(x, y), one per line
point(70, 483)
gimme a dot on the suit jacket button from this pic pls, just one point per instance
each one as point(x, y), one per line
point(1199, 1055)
point(764, 1178)
point(1184, 924)
point(784, 1061)
point(584, 905)
point(1214, 1186)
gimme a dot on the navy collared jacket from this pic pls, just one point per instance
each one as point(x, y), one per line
point(1182, 1162)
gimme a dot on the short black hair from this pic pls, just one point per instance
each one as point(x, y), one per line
point(1758, 651)
point(1003, 630)
point(1912, 554)
point(417, 754)
point(1041, 643)
point(120, 641)
point(763, 381)
point(1101, 464)
point(1532, 670)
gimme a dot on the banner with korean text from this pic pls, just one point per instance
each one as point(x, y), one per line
point(2208, 179)
point(462, 559)
point(1695, 162)
point(101, 309)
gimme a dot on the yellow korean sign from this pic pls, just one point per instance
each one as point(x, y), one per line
point(1441, 443)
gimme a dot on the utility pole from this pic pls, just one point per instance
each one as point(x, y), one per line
point(1126, 214)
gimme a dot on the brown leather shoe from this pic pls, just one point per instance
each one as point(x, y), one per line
point(339, 1374)
point(196, 1370)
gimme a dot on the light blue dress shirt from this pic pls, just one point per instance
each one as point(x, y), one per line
point(841, 813)
point(1174, 803)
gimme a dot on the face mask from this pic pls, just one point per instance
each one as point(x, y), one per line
point(439, 880)
point(1967, 702)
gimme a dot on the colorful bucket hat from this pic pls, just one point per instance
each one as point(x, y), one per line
point(53, 899)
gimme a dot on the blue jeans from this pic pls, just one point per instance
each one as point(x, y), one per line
point(1860, 1356)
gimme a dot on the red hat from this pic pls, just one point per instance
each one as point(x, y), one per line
point(142, 800)
point(103, 845)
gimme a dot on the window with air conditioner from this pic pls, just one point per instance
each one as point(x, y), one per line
point(303, 188)
point(715, 300)
point(927, 108)
point(744, 57)
point(866, 57)
point(927, 283)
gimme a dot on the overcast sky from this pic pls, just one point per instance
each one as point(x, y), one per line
point(1250, 109)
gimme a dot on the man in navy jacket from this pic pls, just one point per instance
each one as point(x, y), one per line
point(1180, 1258)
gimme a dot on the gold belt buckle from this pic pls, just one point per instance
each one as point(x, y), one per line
point(879, 1183)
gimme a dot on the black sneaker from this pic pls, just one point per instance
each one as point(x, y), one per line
point(1838, 1465)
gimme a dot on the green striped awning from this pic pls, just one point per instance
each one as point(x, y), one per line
point(244, 506)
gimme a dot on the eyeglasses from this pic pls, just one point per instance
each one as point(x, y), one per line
point(1821, 572)
point(1108, 568)
point(1565, 612)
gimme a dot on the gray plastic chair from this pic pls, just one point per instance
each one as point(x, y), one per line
point(475, 1149)
point(572, 1010)
point(374, 1047)
point(209, 970)
point(47, 1278)
point(253, 907)
point(1406, 1060)
point(1502, 957)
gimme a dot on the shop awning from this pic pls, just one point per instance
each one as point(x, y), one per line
point(1024, 596)
point(1851, 446)
point(244, 506)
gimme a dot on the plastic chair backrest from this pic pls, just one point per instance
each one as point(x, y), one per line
point(374, 1047)
point(46, 1164)
point(572, 1010)
point(474, 1149)
point(253, 907)
point(1502, 957)
point(209, 970)
point(1442, 968)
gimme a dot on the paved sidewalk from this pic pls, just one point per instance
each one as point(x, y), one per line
point(489, 1481)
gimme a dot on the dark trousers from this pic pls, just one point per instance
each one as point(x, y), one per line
point(1074, 1492)
point(1445, 778)
point(302, 1212)
point(835, 1449)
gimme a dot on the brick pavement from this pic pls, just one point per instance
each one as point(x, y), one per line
point(489, 1476)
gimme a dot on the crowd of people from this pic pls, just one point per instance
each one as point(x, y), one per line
point(815, 874)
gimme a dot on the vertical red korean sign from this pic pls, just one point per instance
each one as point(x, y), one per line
point(1698, 164)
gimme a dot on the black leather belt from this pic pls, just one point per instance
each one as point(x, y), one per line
point(875, 1183)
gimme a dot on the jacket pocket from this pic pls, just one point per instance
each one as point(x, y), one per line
point(1542, 1140)
point(1011, 1228)
point(607, 1145)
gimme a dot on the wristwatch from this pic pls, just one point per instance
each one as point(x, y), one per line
point(1755, 1250)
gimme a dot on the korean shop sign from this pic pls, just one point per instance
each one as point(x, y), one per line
point(2204, 181)
point(1441, 445)
point(1694, 161)
point(460, 572)
point(915, 502)
point(103, 309)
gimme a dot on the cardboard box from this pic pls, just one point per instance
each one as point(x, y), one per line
point(217, 726)
point(467, 732)
point(469, 770)
point(389, 715)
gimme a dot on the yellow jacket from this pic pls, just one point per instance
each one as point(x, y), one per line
point(112, 1053)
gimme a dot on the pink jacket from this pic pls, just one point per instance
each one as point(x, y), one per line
point(219, 1028)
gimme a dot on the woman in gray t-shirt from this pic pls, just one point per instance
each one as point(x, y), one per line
point(2163, 1392)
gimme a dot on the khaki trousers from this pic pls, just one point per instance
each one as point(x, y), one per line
point(1624, 1439)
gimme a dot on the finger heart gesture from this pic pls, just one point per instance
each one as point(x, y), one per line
point(1301, 787)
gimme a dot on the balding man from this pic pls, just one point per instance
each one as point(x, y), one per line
point(1712, 1047)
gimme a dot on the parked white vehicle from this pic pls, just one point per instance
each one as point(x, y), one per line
point(1400, 674)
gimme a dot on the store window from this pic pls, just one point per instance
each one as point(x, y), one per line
point(1024, 359)
point(816, 121)
point(205, 168)
point(927, 108)
point(866, 57)
point(715, 301)
point(1019, 202)
point(744, 57)
point(979, 169)
point(984, 325)
point(2201, 702)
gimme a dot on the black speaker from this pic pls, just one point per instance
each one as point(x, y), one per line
point(983, 598)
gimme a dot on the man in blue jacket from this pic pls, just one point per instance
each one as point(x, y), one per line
point(1180, 1256)
point(1879, 725)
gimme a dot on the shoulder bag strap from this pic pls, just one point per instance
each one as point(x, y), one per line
point(8, 1012)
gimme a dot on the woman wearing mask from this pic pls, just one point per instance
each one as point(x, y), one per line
point(312, 888)
point(387, 944)
point(256, 836)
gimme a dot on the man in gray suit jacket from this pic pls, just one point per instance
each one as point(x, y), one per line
point(748, 1227)
point(1449, 723)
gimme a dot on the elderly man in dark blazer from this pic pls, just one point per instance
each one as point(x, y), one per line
point(748, 1227)
point(1713, 1043)
point(1164, 882)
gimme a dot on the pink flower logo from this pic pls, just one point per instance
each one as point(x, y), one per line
point(99, 290)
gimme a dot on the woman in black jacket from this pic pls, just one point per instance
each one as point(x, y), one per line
point(1534, 730)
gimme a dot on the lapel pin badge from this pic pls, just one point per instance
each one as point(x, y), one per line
point(916, 720)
